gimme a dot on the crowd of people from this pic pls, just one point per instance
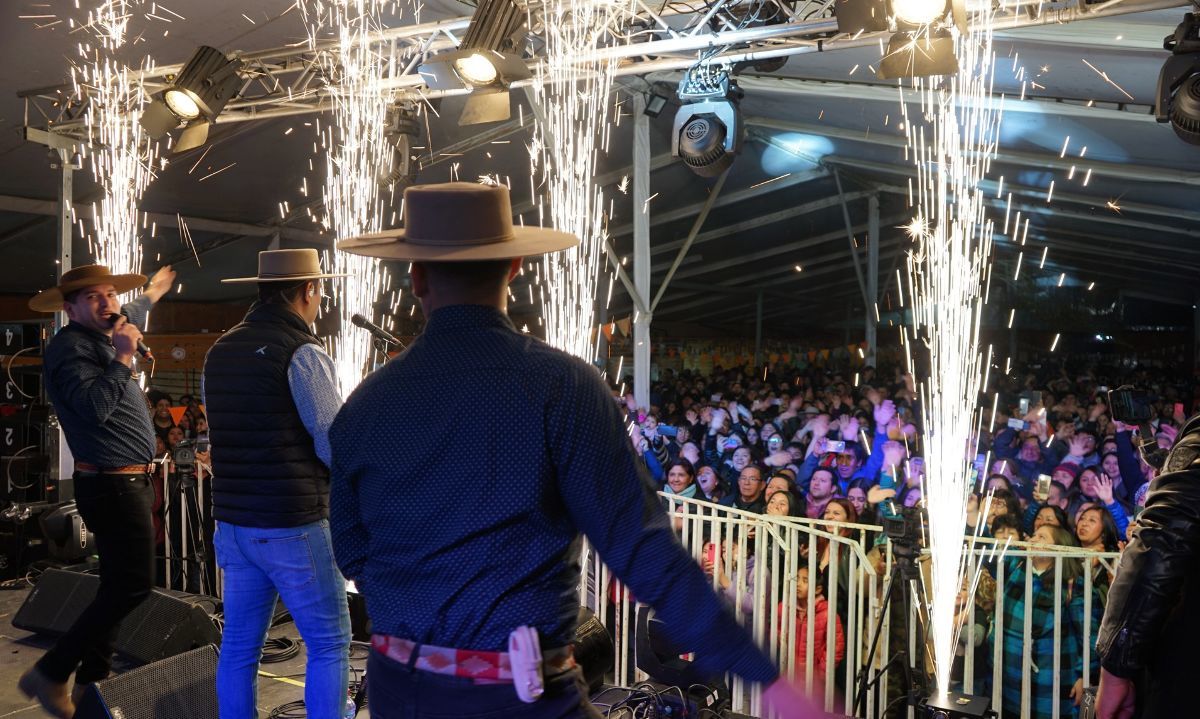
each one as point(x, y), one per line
point(1054, 470)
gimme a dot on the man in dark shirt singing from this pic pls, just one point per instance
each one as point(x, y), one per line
point(448, 575)
point(88, 370)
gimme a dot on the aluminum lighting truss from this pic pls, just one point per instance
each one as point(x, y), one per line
point(288, 80)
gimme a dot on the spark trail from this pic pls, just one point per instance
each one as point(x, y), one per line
point(571, 89)
point(123, 157)
point(952, 142)
point(357, 156)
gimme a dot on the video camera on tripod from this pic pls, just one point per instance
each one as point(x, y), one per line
point(1135, 406)
point(183, 457)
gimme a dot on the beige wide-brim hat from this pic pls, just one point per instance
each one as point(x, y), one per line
point(51, 300)
point(458, 222)
point(287, 266)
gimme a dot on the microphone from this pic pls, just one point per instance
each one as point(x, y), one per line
point(376, 331)
point(142, 349)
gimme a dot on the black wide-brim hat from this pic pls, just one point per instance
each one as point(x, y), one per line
point(458, 222)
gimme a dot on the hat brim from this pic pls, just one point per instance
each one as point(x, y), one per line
point(393, 245)
point(51, 300)
point(299, 278)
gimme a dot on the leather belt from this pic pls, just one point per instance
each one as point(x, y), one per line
point(482, 667)
point(88, 468)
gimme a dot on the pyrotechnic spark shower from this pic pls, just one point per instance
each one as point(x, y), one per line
point(357, 157)
point(572, 88)
point(952, 143)
point(123, 157)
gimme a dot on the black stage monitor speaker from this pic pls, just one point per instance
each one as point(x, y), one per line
point(181, 687)
point(164, 625)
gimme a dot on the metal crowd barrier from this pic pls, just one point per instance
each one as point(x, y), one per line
point(767, 605)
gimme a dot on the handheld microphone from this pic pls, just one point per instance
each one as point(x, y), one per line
point(142, 349)
point(376, 331)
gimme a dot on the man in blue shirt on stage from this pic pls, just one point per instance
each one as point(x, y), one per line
point(449, 575)
point(88, 369)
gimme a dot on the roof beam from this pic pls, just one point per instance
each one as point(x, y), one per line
point(726, 198)
point(33, 206)
point(909, 170)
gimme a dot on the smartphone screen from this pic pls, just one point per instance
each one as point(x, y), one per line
point(1024, 404)
point(1043, 485)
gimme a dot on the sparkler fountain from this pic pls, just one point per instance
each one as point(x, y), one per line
point(952, 143)
point(357, 156)
point(123, 157)
point(572, 91)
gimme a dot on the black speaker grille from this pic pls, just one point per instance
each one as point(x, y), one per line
point(181, 687)
point(162, 626)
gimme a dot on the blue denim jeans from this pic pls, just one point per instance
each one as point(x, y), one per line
point(295, 563)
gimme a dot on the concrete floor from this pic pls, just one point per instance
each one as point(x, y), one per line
point(278, 683)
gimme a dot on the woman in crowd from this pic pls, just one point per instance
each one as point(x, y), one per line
point(709, 484)
point(1046, 618)
point(1050, 515)
point(1095, 486)
point(781, 504)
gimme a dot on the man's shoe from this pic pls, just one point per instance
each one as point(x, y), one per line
point(50, 694)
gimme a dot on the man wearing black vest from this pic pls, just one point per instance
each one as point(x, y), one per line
point(271, 394)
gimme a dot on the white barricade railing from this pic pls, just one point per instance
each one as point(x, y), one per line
point(767, 605)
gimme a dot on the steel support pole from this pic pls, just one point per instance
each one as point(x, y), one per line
point(758, 318)
point(641, 250)
point(713, 194)
point(63, 240)
point(862, 285)
point(872, 309)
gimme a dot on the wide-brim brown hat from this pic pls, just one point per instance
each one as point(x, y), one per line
point(458, 222)
point(51, 300)
point(287, 266)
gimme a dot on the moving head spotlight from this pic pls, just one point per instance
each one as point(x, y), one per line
point(1178, 98)
point(708, 127)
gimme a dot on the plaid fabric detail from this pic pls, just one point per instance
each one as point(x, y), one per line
point(1041, 650)
point(483, 667)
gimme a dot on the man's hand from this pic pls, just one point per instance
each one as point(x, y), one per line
point(820, 426)
point(161, 283)
point(1115, 697)
point(884, 413)
point(878, 494)
point(125, 338)
point(788, 701)
point(849, 429)
point(893, 455)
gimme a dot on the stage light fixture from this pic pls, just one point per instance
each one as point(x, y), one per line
point(196, 96)
point(918, 12)
point(487, 62)
point(401, 132)
point(655, 104)
point(1178, 97)
point(918, 55)
point(476, 70)
point(708, 128)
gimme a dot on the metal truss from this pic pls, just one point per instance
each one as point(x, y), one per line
point(293, 80)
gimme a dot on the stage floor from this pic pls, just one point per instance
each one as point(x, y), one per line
point(19, 649)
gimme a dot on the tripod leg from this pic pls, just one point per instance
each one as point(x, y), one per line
point(864, 685)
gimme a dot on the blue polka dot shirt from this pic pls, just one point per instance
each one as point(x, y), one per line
point(463, 473)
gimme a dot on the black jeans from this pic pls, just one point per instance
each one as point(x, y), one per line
point(395, 691)
point(116, 508)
